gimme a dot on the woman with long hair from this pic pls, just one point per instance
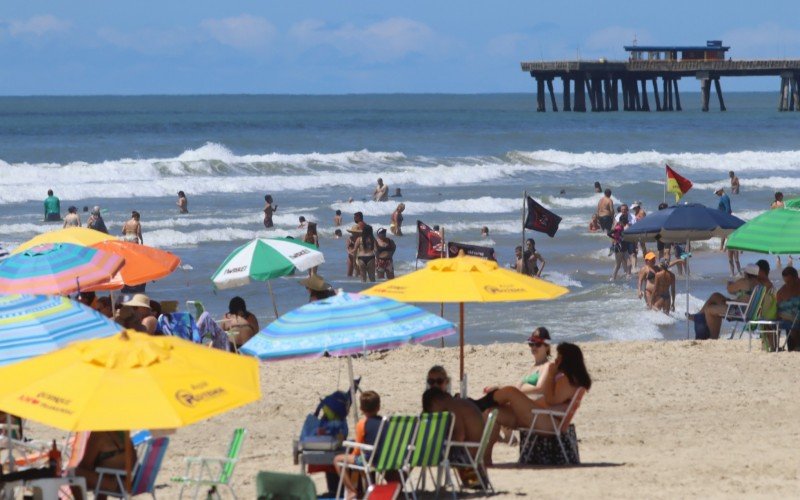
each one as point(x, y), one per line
point(313, 238)
point(240, 321)
point(365, 254)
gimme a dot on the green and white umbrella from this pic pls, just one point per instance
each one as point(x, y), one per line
point(264, 259)
point(775, 232)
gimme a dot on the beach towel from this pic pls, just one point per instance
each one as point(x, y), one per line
point(179, 324)
point(211, 332)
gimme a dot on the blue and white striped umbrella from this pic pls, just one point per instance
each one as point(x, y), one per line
point(31, 325)
point(343, 325)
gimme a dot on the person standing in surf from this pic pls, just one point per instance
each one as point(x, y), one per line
point(605, 211)
point(52, 207)
point(313, 238)
point(269, 210)
point(132, 229)
point(72, 219)
point(183, 203)
point(381, 191)
point(396, 226)
point(96, 221)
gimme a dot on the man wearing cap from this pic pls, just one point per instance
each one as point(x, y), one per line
point(317, 287)
point(717, 304)
point(647, 276)
point(384, 253)
point(724, 201)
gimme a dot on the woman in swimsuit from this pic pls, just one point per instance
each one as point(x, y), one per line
point(269, 209)
point(105, 449)
point(647, 276)
point(72, 219)
point(396, 226)
point(365, 254)
point(183, 203)
point(239, 320)
point(533, 383)
point(562, 379)
point(132, 229)
point(312, 237)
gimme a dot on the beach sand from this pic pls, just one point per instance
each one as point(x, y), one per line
point(663, 419)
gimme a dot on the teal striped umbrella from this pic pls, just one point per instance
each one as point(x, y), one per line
point(264, 259)
point(774, 232)
point(31, 325)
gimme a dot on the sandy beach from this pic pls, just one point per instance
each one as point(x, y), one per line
point(663, 419)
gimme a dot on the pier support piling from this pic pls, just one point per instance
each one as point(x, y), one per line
point(540, 95)
point(718, 89)
point(795, 106)
point(580, 95)
point(705, 90)
point(678, 96)
point(655, 94)
point(590, 93)
point(552, 94)
point(565, 84)
point(645, 103)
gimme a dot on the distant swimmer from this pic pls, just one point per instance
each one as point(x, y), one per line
point(269, 210)
point(96, 221)
point(183, 203)
point(302, 223)
point(778, 203)
point(485, 232)
point(52, 207)
point(72, 219)
point(605, 211)
point(397, 193)
point(734, 182)
point(337, 218)
point(597, 187)
point(132, 229)
point(381, 191)
point(337, 234)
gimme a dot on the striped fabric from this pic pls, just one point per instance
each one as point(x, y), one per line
point(774, 231)
point(57, 269)
point(31, 325)
point(398, 434)
point(434, 429)
point(264, 259)
point(145, 480)
point(343, 325)
point(233, 455)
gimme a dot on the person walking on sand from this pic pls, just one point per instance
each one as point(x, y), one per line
point(384, 252)
point(605, 211)
point(72, 219)
point(132, 229)
point(381, 192)
point(96, 221)
point(734, 182)
point(183, 203)
point(269, 211)
point(396, 226)
point(52, 207)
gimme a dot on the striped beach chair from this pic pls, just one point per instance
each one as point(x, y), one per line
point(213, 471)
point(151, 456)
point(431, 450)
point(390, 452)
point(465, 460)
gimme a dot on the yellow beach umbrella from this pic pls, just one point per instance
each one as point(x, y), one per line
point(128, 381)
point(465, 279)
point(76, 235)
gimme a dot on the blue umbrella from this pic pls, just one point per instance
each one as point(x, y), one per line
point(682, 224)
point(31, 325)
point(343, 325)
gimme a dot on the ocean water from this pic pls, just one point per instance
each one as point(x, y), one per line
point(462, 161)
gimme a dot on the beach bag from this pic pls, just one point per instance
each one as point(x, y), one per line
point(701, 331)
point(545, 450)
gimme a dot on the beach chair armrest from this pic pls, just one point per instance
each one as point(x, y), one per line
point(107, 470)
point(118, 474)
point(210, 459)
point(464, 444)
point(560, 414)
point(735, 310)
point(350, 445)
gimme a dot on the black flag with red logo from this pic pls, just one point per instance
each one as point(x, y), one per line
point(429, 242)
point(453, 249)
point(541, 219)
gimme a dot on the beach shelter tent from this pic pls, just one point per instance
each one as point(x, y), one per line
point(142, 264)
point(264, 259)
point(774, 232)
point(82, 236)
point(683, 223)
point(128, 381)
point(343, 325)
point(465, 279)
point(57, 269)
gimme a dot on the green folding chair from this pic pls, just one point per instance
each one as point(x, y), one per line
point(281, 486)
point(465, 460)
point(213, 472)
point(390, 452)
point(431, 450)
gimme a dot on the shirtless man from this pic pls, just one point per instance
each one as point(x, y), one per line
point(734, 182)
point(663, 296)
point(381, 191)
point(647, 276)
point(605, 211)
point(468, 424)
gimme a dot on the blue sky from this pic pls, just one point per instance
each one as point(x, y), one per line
point(327, 46)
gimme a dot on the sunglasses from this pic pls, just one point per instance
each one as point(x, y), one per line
point(436, 381)
point(536, 344)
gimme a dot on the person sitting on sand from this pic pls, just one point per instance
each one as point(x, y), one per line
point(663, 296)
point(438, 378)
point(366, 433)
point(647, 277)
point(396, 225)
point(72, 219)
point(716, 306)
point(132, 229)
point(562, 379)
point(142, 314)
point(239, 320)
point(105, 449)
point(317, 287)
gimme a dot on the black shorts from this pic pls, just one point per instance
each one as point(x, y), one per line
point(606, 222)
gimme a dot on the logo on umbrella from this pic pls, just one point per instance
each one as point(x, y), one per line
point(48, 402)
point(503, 289)
point(299, 254)
point(198, 394)
point(235, 270)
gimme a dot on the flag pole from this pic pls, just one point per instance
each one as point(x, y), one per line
point(524, 262)
point(666, 181)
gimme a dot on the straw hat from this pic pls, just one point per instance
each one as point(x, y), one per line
point(354, 229)
point(138, 300)
point(316, 283)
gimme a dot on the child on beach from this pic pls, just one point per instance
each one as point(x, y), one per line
point(366, 433)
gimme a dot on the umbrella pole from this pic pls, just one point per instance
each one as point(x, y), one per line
point(441, 314)
point(128, 464)
point(687, 287)
point(272, 296)
point(10, 443)
point(461, 342)
point(353, 403)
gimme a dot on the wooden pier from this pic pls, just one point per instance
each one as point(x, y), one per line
point(601, 81)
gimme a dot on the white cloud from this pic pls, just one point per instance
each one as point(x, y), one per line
point(764, 41)
point(382, 41)
point(37, 26)
point(241, 32)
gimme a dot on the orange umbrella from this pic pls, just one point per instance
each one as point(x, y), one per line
point(142, 264)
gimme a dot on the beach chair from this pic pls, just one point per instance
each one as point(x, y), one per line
point(431, 450)
point(390, 452)
point(195, 308)
point(560, 430)
point(209, 471)
point(151, 454)
point(742, 312)
point(766, 329)
point(282, 486)
point(463, 460)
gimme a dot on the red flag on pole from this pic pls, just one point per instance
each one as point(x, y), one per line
point(677, 184)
